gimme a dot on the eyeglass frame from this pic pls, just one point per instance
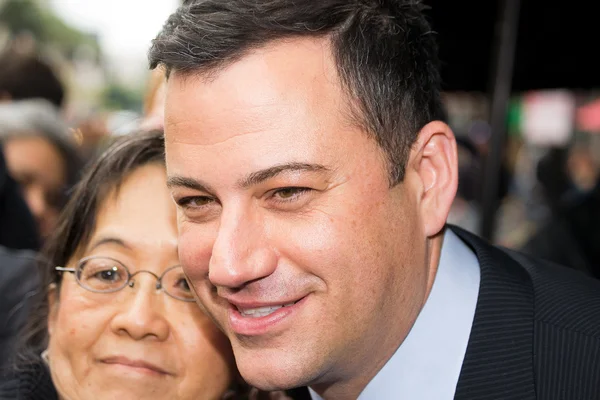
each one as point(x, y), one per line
point(128, 282)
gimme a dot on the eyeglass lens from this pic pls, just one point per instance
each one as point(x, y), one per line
point(105, 275)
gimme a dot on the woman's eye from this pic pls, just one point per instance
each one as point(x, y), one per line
point(108, 275)
point(183, 285)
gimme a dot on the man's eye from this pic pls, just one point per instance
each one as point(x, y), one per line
point(194, 201)
point(289, 193)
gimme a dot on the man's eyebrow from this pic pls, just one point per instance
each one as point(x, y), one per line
point(187, 182)
point(260, 176)
point(253, 178)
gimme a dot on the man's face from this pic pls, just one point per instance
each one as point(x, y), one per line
point(283, 201)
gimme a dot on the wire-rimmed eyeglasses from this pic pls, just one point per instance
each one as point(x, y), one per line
point(107, 275)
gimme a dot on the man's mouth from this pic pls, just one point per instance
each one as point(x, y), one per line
point(257, 318)
point(262, 311)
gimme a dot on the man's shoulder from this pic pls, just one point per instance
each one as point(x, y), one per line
point(563, 297)
point(536, 330)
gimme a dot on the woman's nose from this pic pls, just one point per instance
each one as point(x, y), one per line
point(141, 314)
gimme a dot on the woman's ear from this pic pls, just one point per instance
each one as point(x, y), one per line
point(52, 307)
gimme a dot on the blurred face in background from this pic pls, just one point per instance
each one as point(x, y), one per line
point(39, 168)
point(154, 103)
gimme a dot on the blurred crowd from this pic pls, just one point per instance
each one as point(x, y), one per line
point(547, 196)
point(43, 151)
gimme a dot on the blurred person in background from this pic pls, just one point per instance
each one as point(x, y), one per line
point(92, 135)
point(18, 279)
point(570, 235)
point(18, 284)
point(18, 229)
point(154, 101)
point(465, 208)
point(27, 76)
point(40, 155)
point(37, 164)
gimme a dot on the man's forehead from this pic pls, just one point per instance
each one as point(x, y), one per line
point(272, 71)
point(267, 90)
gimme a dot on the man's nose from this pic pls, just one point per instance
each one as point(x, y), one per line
point(241, 252)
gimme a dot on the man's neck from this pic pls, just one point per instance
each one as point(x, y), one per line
point(347, 389)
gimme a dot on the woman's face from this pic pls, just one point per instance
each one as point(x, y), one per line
point(137, 343)
point(38, 166)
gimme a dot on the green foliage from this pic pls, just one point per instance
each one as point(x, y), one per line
point(119, 97)
point(30, 16)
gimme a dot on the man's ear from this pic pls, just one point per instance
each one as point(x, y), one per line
point(52, 307)
point(434, 159)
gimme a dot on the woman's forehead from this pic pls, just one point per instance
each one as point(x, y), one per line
point(140, 213)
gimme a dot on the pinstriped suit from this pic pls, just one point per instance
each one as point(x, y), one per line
point(536, 331)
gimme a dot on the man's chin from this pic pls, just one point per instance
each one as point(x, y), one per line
point(269, 379)
point(271, 376)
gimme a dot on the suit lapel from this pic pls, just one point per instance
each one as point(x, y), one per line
point(499, 360)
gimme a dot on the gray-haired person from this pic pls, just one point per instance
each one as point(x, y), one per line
point(41, 156)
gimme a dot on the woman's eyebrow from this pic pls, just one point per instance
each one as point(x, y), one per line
point(108, 240)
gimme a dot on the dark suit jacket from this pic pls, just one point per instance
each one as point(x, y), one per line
point(17, 226)
point(18, 283)
point(536, 331)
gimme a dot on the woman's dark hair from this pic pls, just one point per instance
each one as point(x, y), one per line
point(385, 52)
point(77, 223)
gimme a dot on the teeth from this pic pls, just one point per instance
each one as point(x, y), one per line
point(261, 311)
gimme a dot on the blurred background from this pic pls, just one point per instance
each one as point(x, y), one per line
point(520, 88)
point(98, 49)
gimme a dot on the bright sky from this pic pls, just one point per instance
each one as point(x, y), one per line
point(125, 27)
